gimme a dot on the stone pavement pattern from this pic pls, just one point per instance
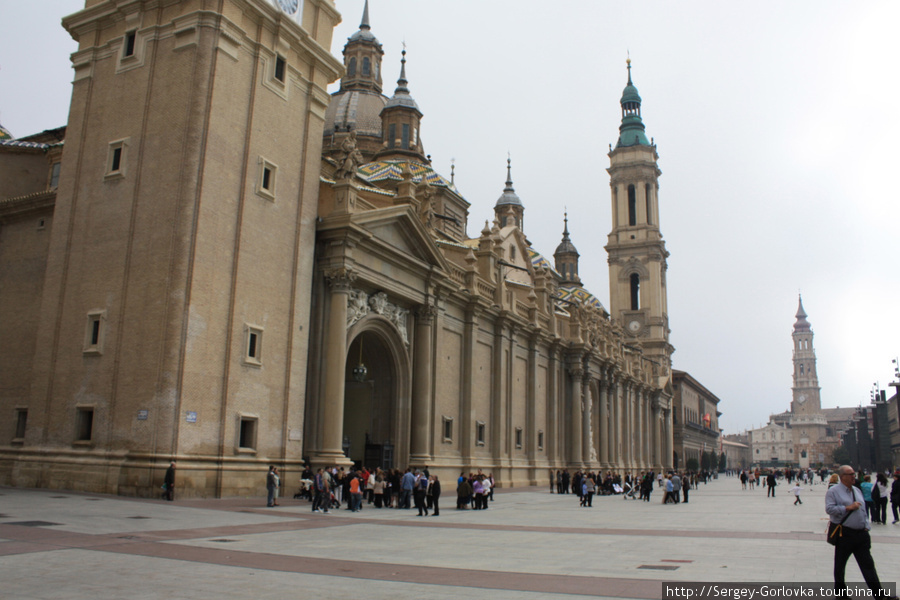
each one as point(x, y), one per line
point(529, 544)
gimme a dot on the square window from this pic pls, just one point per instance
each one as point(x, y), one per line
point(518, 438)
point(94, 332)
point(115, 163)
point(253, 348)
point(21, 422)
point(247, 429)
point(84, 423)
point(447, 427)
point(265, 186)
point(479, 433)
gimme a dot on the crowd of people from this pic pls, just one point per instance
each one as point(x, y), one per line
point(585, 485)
point(332, 488)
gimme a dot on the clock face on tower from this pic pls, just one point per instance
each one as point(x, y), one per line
point(289, 6)
point(801, 398)
point(634, 326)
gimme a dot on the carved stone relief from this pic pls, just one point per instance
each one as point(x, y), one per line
point(361, 304)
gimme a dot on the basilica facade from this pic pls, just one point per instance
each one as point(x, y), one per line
point(219, 263)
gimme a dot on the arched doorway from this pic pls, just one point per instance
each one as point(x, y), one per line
point(373, 430)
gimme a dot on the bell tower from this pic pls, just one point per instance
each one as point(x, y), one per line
point(806, 400)
point(637, 252)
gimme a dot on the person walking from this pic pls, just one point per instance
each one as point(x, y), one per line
point(676, 488)
point(771, 483)
point(842, 503)
point(882, 490)
point(685, 486)
point(407, 484)
point(435, 489)
point(796, 492)
point(588, 491)
point(169, 482)
point(866, 488)
point(421, 486)
point(271, 486)
point(895, 497)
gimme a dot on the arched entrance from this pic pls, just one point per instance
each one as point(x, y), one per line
point(375, 432)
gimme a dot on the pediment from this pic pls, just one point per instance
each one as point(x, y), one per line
point(399, 229)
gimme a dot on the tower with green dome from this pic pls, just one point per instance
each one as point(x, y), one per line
point(637, 252)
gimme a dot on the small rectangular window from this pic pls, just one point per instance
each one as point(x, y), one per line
point(253, 353)
point(94, 332)
point(115, 165)
point(128, 47)
point(54, 175)
point(392, 135)
point(84, 424)
point(479, 433)
point(518, 438)
point(280, 66)
point(21, 422)
point(447, 423)
point(266, 182)
point(540, 440)
point(405, 141)
point(247, 433)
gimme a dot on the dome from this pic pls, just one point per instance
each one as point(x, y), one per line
point(365, 30)
point(363, 35)
point(566, 246)
point(357, 110)
point(630, 93)
point(509, 194)
point(5, 134)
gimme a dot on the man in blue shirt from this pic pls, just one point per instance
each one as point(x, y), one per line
point(406, 488)
point(842, 503)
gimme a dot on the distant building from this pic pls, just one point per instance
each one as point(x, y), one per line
point(807, 434)
point(736, 447)
point(695, 420)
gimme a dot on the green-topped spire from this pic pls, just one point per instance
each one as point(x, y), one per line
point(631, 131)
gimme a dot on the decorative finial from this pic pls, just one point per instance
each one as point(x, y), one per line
point(628, 62)
point(365, 19)
point(452, 171)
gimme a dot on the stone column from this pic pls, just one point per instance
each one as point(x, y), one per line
point(552, 436)
point(604, 423)
point(586, 416)
point(617, 425)
point(420, 444)
point(331, 451)
point(575, 456)
point(657, 436)
point(639, 428)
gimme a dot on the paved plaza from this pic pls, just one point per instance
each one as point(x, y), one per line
point(529, 544)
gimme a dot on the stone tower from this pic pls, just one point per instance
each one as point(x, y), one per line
point(509, 209)
point(637, 252)
point(170, 318)
point(806, 399)
point(566, 257)
point(808, 423)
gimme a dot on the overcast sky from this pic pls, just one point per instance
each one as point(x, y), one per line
point(775, 124)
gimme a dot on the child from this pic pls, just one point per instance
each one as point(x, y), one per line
point(796, 492)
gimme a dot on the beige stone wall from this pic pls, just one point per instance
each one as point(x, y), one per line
point(22, 172)
point(179, 252)
point(24, 240)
